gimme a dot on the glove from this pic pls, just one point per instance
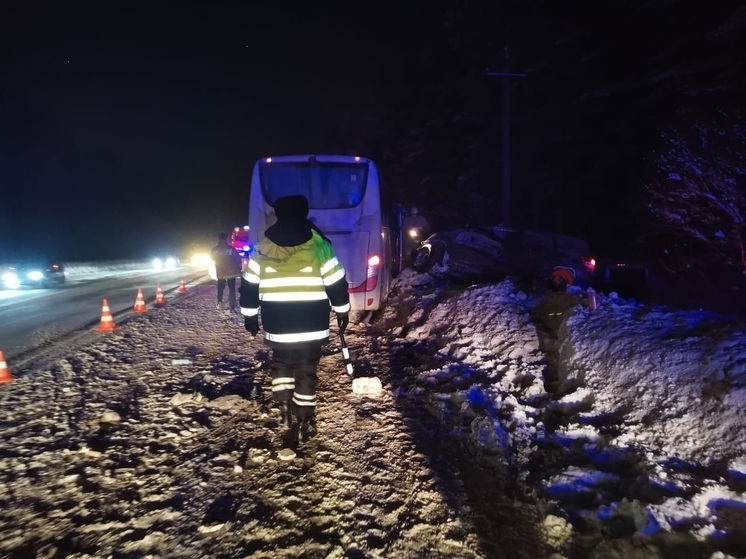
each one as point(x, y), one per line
point(343, 320)
point(251, 323)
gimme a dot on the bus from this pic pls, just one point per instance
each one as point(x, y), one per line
point(345, 204)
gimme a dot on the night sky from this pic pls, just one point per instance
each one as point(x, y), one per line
point(132, 127)
point(136, 126)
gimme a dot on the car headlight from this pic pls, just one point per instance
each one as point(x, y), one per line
point(35, 275)
point(170, 262)
point(157, 263)
point(201, 259)
point(10, 280)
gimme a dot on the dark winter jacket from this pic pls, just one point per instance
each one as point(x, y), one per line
point(227, 261)
point(552, 312)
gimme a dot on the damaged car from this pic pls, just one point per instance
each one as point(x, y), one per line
point(490, 254)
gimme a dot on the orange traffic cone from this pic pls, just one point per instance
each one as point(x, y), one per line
point(140, 302)
point(160, 298)
point(107, 321)
point(5, 375)
point(182, 286)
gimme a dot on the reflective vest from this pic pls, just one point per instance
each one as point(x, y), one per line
point(294, 286)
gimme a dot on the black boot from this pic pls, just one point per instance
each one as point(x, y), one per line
point(306, 429)
point(286, 416)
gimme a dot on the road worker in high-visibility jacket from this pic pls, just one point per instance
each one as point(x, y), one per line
point(293, 277)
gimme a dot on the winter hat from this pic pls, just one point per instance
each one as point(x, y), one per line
point(289, 207)
point(564, 273)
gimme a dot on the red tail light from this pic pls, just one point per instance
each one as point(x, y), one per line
point(589, 262)
point(371, 276)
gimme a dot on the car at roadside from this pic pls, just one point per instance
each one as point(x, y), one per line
point(32, 274)
point(488, 254)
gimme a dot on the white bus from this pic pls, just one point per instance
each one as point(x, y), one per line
point(345, 204)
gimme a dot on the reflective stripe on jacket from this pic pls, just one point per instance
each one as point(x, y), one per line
point(294, 286)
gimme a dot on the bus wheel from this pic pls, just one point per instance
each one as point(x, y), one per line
point(426, 256)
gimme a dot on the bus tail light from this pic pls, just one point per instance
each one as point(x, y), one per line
point(371, 276)
point(590, 263)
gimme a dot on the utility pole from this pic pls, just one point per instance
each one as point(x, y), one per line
point(506, 74)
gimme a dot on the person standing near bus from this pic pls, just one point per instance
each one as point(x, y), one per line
point(415, 229)
point(293, 278)
point(415, 220)
point(227, 268)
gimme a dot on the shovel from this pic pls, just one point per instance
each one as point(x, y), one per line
point(345, 353)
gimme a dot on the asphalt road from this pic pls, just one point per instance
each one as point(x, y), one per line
point(32, 319)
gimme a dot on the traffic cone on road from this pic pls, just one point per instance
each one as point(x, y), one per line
point(182, 286)
point(5, 375)
point(160, 298)
point(107, 321)
point(140, 302)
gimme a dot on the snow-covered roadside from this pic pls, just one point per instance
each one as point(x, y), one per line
point(87, 270)
point(649, 450)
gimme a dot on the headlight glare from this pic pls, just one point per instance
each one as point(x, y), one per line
point(10, 280)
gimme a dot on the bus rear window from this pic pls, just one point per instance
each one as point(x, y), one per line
point(327, 185)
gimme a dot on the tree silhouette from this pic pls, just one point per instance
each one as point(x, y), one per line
point(698, 193)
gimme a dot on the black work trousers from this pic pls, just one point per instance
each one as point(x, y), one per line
point(294, 378)
point(231, 283)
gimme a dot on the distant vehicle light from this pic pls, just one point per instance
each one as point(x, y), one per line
point(414, 232)
point(35, 275)
point(201, 259)
point(268, 160)
point(11, 281)
point(167, 263)
point(357, 158)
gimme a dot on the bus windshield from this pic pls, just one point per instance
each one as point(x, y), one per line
point(327, 186)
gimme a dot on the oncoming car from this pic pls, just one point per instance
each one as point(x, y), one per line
point(32, 274)
point(165, 259)
point(486, 254)
point(165, 262)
